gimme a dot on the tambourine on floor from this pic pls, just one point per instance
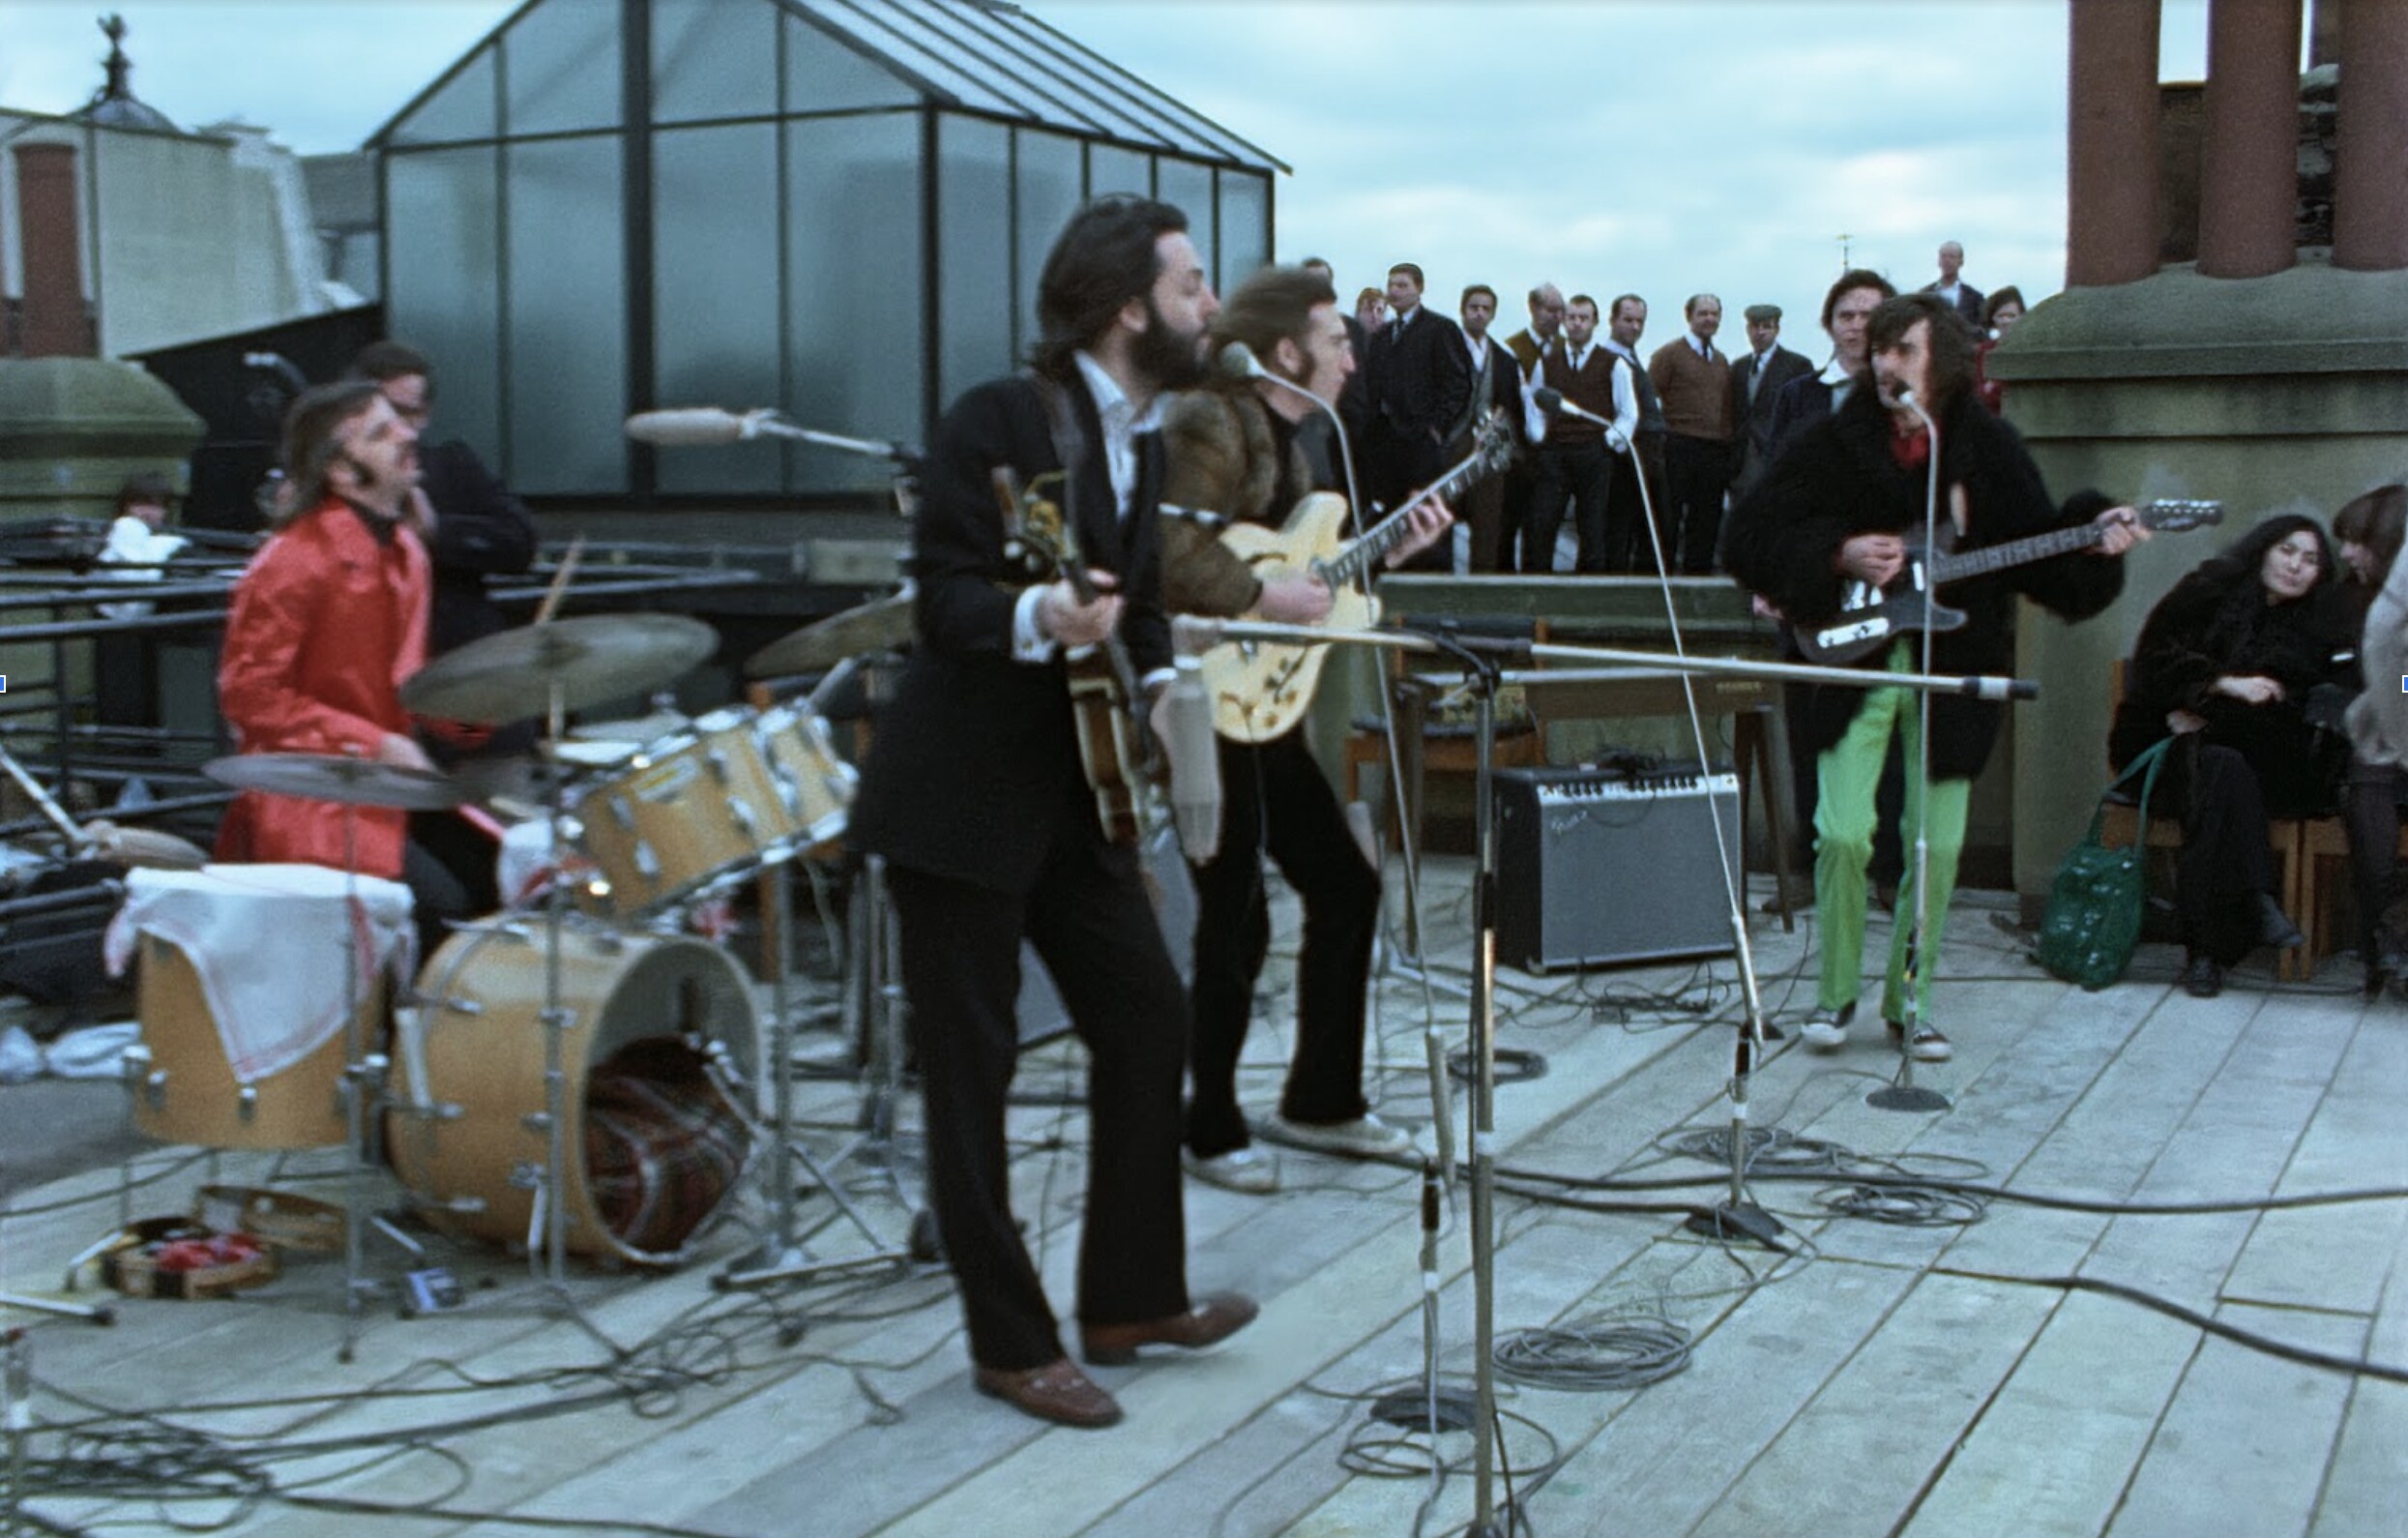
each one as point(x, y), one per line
point(657, 1130)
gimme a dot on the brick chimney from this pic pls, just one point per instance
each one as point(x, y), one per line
point(55, 322)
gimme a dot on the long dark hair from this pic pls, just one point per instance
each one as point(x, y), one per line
point(1103, 258)
point(2378, 520)
point(2233, 572)
point(1950, 345)
point(1275, 305)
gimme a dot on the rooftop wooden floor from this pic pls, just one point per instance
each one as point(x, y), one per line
point(1880, 1379)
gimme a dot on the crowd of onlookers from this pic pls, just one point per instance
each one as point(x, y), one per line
point(1678, 432)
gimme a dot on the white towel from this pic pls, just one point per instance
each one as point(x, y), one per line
point(267, 942)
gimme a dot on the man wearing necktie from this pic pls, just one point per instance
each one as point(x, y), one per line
point(1416, 383)
point(1693, 381)
point(1756, 382)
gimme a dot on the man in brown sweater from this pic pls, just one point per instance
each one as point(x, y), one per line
point(1693, 381)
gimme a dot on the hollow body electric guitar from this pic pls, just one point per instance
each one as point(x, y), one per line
point(1261, 688)
point(1870, 617)
point(1117, 748)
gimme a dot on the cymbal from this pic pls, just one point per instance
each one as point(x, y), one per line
point(144, 848)
point(593, 657)
point(332, 777)
point(879, 625)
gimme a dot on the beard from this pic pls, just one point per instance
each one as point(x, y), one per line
point(1172, 361)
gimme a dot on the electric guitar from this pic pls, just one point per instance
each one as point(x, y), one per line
point(1261, 688)
point(1870, 617)
point(1117, 749)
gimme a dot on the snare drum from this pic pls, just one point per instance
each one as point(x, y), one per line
point(685, 813)
point(816, 783)
point(471, 1142)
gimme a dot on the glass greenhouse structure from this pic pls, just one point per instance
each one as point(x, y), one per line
point(835, 207)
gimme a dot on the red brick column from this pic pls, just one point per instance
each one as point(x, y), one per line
point(2249, 196)
point(2111, 142)
point(2370, 149)
point(55, 323)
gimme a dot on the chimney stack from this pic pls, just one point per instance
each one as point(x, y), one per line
point(55, 321)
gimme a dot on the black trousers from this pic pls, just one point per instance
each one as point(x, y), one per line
point(2227, 862)
point(1275, 799)
point(1091, 924)
point(2370, 805)
point(1580, 475)
point(1697, 473)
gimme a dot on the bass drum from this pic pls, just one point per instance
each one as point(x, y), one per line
point(660, 1054)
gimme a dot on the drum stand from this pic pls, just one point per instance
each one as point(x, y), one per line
point(780, 1256)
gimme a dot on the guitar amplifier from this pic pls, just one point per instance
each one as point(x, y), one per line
point(1597, 868)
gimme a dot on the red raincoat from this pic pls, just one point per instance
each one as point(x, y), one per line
point(326, 622)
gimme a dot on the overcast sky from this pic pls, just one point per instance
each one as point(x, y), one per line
point(1609, 145)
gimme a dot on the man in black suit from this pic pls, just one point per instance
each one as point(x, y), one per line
point(1961, 296)
point(1496, 386)
point(975, 798)
point(1847, 311)
point(1756, 381)
point(1416, 383)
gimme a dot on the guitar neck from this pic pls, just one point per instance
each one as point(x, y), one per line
point(1346, 567)
point(1989, 558)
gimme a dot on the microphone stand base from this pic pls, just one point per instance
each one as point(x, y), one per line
point(1740, 1220)
point(1907, 1097)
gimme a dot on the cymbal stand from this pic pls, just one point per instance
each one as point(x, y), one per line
point(362, 1085)
point(549, 1262)
point(780, 1256)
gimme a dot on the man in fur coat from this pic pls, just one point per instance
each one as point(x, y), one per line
point(1840, 507)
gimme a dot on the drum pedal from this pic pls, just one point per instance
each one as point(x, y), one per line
point(432, 1291)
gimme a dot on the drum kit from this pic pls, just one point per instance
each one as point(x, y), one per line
point(580, 1075)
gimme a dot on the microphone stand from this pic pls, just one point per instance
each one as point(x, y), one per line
point(1903, 1093)
point(1736, 1216)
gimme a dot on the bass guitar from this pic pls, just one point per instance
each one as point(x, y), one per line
point(1870, 617)
point(1261, 688)
point(1117, 749)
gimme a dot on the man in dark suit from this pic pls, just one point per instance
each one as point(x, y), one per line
point(1521, 478)
point(1847, 310)
point(1756, 381)
point(1416, 383)
point(975, 800)
point(1496, 386)
point(1961, 296)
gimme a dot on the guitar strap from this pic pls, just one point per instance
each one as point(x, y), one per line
point(1070, 446)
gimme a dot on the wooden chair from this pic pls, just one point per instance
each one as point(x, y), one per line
point(2290, 837)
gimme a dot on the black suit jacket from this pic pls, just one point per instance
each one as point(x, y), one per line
point(481, 531)
point(976, 772)
point(1416, 382)
point(1968, 302)
point(1755, 417)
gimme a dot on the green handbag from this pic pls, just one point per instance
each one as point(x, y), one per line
point(2093, 919)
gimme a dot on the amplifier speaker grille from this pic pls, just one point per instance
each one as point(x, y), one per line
point(1597, 868)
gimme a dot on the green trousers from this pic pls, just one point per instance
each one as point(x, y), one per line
point(1847, 775)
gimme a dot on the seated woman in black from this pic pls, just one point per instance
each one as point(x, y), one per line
point(2225, 663)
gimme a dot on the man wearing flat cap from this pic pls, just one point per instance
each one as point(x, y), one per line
point(1756, 381)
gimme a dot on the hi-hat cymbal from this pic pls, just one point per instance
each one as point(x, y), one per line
point(879, 625)
point(331, 777)
point(511, 676)
point(144, 848)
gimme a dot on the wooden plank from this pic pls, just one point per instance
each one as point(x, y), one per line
point(2050, 1455)
point(2241, 1450)
point(1863, 1450)
point(2369, 1469)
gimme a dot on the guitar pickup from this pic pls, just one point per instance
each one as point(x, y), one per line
point(1847, 634)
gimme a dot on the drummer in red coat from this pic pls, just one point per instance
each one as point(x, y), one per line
point(328, 620)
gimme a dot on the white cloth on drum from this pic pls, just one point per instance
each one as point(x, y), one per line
point(267, 944)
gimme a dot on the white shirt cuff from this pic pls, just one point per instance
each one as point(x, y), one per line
point(1029, 642)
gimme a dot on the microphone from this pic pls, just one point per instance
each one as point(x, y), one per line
point(693, 426)
point(1550, 401)
point(1194, 760)
point(1237, 361)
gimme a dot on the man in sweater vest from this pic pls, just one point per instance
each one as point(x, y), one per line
point(1576, 461)
point(1694, 380)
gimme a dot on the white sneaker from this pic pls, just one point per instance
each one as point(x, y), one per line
point(1365, 1134)
point(1255, 1171)
point(1825, 1030)
point(1926, 1046)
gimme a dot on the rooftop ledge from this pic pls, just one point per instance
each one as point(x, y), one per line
point(2312, 318)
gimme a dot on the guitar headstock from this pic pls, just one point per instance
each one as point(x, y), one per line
point(2173, 516)
point(1038, 541)
point(1492, 442)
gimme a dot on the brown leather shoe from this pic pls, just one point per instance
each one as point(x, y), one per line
point(1214, 1320)
point(1057, 1392)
